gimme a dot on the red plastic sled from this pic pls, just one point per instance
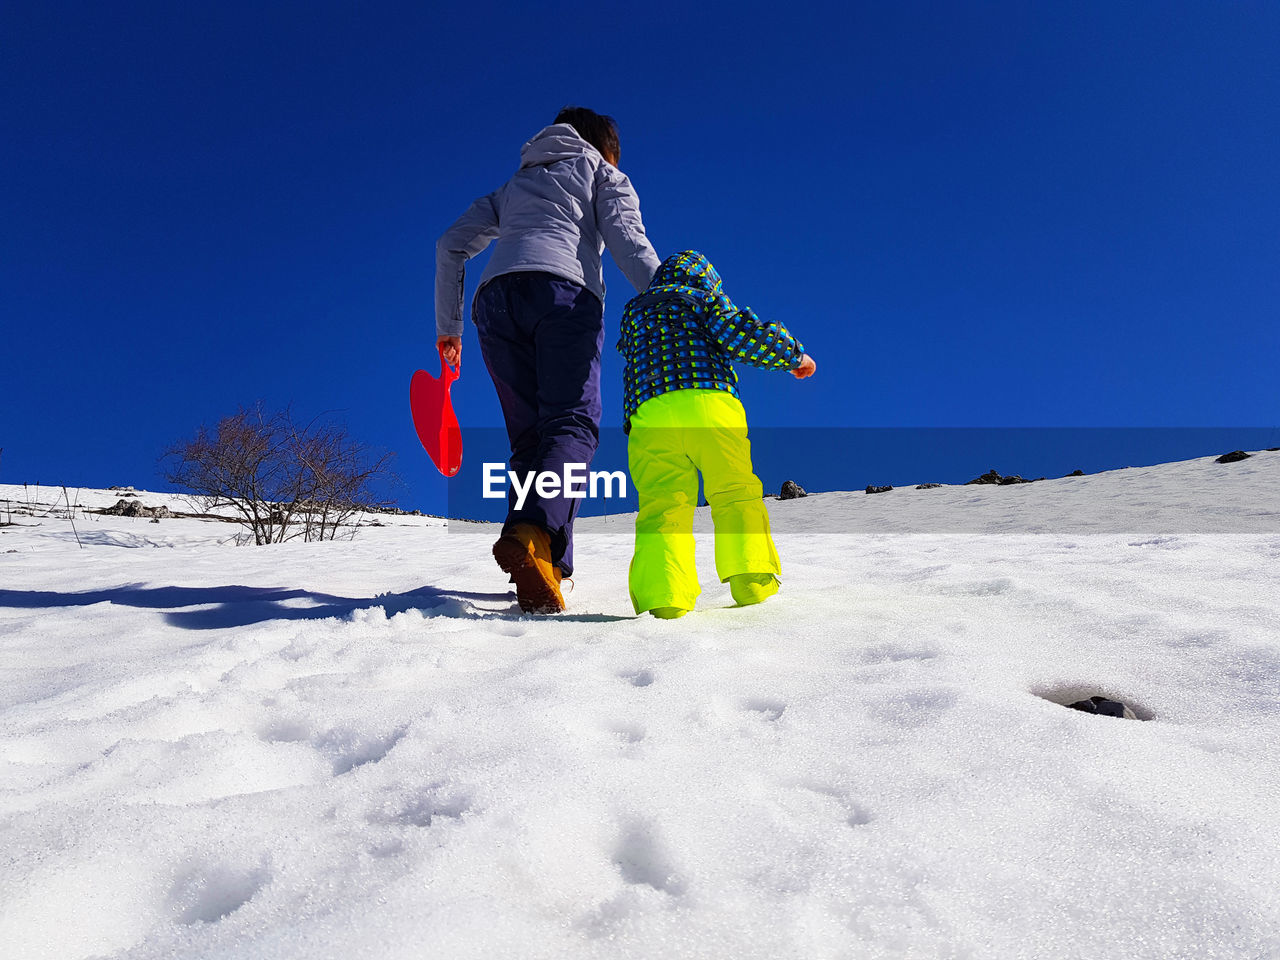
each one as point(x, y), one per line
point(434, 419)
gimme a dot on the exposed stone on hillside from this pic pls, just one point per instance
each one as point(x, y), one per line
point(989, 477)
point(994, 478)
point(1235, 456)
point(135, 508)
point(791, 491)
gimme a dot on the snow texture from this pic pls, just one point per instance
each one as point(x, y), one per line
point(361, 749)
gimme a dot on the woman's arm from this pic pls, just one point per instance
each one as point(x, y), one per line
point(470, 234)
point(618, 218)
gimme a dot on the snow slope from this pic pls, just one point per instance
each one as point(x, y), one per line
point(361, 749)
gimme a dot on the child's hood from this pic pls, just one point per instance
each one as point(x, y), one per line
point(560, 141)
point(688, 268)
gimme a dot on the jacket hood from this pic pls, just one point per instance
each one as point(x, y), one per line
point(556, 142)
point(688, 268)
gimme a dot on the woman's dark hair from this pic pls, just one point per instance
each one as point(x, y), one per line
point(595, 128)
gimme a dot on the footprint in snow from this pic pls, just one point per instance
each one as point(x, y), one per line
point(628, 732)
point(210, 893)
point(637, 678)
point(768, 708)
point(422, 810)
point(349, 749)
point(855, 815)
point(641, 860)
point(285, 730)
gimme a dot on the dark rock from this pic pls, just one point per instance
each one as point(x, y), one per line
point(927, 486)
point(989, 477)
point(1272, 449)
point(135, 508)
point(871, 489)
point(1104, 707)
point(1076, 473)
point(791, 491)
point(1007, 481)
point(1235, 456)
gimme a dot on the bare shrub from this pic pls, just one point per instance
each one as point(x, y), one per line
point(282, 481)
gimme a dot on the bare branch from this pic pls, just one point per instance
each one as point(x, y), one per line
point(282, 481)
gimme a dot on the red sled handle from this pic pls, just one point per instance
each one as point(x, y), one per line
point(448, 373)
point(433, 418)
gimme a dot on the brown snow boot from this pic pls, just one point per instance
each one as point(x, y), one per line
point(525, 553)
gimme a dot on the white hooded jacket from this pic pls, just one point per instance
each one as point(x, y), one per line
point(557, 214)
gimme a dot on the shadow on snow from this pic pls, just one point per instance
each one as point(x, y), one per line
point(239, 606)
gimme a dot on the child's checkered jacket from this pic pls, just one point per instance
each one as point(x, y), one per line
point(683, 333)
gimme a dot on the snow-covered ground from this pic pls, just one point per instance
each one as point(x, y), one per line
point(361, 749)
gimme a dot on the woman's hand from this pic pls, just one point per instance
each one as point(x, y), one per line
point(806, 368)
point(451, 349)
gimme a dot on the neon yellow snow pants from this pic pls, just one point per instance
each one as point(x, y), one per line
point(674, 436)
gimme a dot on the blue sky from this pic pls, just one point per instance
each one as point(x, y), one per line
point(974, 215)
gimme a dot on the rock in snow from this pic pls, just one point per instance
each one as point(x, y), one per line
point(1105, 707)
point(135, 508)
point(791, 491)
point(989, 477)
point(1235, 456)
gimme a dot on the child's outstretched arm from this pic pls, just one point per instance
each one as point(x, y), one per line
point(748, 338)
point(469, 235)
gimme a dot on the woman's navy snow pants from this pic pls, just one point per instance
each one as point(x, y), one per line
point(541, 337)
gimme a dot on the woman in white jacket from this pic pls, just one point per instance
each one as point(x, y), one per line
point(539, 314)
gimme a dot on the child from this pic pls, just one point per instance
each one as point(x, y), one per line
point(539, 313)
point(683, 417)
